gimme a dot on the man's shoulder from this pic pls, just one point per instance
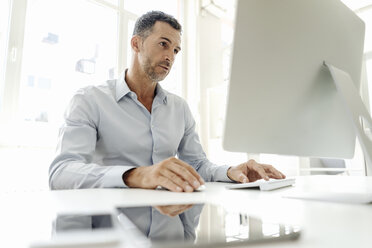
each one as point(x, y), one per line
point(91, 99)
point(105, 89)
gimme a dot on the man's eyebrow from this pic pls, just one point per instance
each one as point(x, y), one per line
point(165, 38)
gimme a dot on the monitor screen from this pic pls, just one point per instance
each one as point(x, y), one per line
point(282, 99)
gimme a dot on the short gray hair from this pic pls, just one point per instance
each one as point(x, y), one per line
point(144, 24)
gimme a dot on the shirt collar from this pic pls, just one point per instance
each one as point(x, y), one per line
point(161, 93)
point(121, 86)
point(122, 89)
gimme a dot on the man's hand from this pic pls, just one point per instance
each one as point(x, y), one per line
point(173, 210)
point(172, 174)
point(252, 171)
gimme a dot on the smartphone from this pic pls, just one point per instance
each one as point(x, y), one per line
point(82, 230)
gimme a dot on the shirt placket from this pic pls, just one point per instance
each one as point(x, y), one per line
point(153, 119)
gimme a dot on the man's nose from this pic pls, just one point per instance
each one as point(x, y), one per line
point(170, 57)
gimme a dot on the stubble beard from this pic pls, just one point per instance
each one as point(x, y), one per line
point(150, 71)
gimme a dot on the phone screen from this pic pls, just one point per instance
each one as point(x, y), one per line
point(82, 222)
point(79, 230)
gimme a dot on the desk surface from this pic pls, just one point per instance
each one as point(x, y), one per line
point(323, 224)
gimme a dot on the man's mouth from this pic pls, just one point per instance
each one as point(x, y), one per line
point(164, 67)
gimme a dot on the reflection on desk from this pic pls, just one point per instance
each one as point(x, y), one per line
point(204, 225)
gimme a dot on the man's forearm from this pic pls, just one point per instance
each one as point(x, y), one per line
point(77, 174)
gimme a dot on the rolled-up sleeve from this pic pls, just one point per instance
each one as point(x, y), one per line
point(72, 167)
point(191, 151)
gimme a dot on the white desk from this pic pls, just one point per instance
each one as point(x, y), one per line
point(323, 224)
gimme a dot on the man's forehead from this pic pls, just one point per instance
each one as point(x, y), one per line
point(165, 30)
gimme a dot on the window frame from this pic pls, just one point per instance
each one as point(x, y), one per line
point(14, 58)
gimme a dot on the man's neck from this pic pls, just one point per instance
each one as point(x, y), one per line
point(140, 83)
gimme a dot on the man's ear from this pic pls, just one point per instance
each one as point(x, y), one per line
point(135, 42)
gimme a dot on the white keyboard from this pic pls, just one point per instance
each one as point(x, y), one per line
point(264, 185)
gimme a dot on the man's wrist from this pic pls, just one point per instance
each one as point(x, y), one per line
point(126, 175)
point(227, 173)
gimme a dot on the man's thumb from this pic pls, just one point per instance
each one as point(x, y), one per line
point(243, 178)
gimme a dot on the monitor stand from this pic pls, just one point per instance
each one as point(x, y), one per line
point(356, 110)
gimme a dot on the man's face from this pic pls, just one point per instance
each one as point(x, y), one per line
point(158, 51)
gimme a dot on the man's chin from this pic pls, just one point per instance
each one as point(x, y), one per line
point(159, 77)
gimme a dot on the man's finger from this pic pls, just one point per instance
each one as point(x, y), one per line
point(187, 207)
point(274, 171)
point(181, 209)
point(273, 175)
point(176, 180)
point(173, 210)
point(185, 174)
point(276, 175)
point(191, 170)
point(168, 184)
point(259, 169)
point(243, 178)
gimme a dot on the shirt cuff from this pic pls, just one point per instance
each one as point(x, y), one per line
point(221, 174)
point(114, 177)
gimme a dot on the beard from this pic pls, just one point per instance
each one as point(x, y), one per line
point(150, 70)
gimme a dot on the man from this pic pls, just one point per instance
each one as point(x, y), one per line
point(128, 132)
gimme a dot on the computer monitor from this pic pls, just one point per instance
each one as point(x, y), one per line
point(282, 99)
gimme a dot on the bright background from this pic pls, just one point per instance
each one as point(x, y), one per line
point(51, 48)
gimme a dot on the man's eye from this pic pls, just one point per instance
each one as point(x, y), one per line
point(175, 51)
point(163, 44)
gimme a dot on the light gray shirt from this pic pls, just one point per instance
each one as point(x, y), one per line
point(107, 131)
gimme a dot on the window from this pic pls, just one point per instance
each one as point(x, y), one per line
point(61, 55)
point(57, 47)
point(4, 29)
point(216, 24)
